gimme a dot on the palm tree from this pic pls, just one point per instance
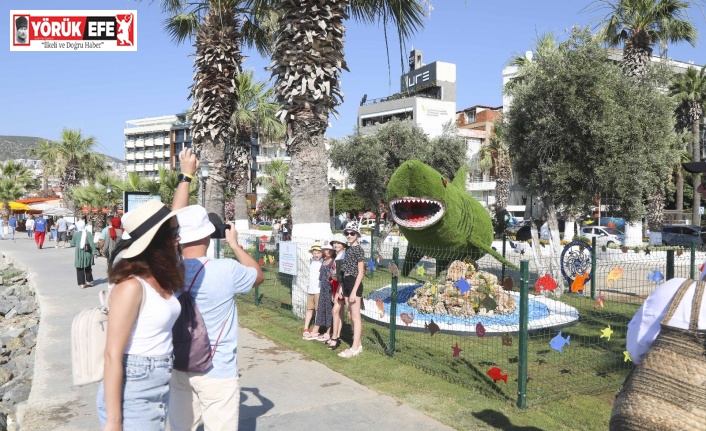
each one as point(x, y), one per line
point(307, 60)
point(221, 28)
point(690, 90)
point(254, 115)
point(77, 157)
point(496, 154)
point(19, 174)
point(46, 153)
point(9, 191)
point(639, 25)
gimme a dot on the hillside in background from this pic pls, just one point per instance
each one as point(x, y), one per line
point(17, 147)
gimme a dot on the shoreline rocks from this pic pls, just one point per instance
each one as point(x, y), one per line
point(19, 324)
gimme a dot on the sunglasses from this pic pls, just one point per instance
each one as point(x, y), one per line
point(350, 234)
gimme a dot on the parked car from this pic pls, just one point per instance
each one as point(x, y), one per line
point(604, 235)
point(681, 234)
point(367, 224)
point(264, 223)
point(519, 225)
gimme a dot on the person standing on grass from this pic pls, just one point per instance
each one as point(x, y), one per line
point(29, 225)
point(313, 291)
point(325, 306)
point(40, 230)
point(353, 268)
point(339, 246)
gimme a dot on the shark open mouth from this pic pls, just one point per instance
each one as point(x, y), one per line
point(416, 213)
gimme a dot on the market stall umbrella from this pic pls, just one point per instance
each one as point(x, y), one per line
point(16, 206)
point(58, 211)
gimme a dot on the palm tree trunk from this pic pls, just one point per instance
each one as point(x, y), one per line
point(655, 216)
point(308, 177)
point(696, 178)
point(680, 189)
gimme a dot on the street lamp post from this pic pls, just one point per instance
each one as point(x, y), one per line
point(204, 176)
point(332, 189)
point(107, 203)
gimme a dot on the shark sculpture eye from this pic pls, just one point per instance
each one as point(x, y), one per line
point(443, 180)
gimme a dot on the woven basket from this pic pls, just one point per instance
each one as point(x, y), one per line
point(667, 391)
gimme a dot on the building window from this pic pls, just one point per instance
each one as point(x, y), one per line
point(470, 116)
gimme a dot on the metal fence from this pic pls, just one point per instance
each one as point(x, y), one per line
point(529, 334)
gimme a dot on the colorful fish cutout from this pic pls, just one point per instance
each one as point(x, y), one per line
point(457, 351)
point(433, 289)
point(260, 261)
point(545, 282)
point(656, 276)
point(614, 275)
point(420, 271)
point(371, 265)
point(381, 306)
point(599, 301)
point(271, 259)
point(508, 283)
point(407, 318)
point(624, 249)
point(579, 282)
point(557, 343)
point(480, 330)
point(432, 327)
point(496, 374)
point(462, 285)
point(606, 333)
point(626, 356)
point(507, 339)
point(489, 303)
point(513, 245)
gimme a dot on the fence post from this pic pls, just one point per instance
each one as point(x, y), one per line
point(393, 303)
point(502, 272)
point(522, 354)
point(670, 264)
point(593, 268)
point(257, 259)
point(692, 261)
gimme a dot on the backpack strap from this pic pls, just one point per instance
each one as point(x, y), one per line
point(197, 274)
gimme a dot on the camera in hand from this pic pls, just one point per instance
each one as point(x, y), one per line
point(221, 227)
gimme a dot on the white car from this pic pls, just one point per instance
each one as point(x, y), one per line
point(604, 235)
point(367, 224)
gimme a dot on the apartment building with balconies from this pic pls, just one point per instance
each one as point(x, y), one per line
point(148, 145)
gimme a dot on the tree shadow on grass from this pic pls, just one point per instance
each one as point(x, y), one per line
point(499, 421)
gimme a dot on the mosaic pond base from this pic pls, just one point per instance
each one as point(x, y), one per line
point(543, 313)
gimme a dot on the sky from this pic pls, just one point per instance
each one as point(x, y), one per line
point(97, 92)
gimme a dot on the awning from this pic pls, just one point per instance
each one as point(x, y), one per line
point(57, 211)
point(16, 206)
point(41, 206)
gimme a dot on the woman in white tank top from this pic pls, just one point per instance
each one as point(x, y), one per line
point(138, 354)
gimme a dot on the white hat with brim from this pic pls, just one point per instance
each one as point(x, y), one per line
point(194, 224)
point(143, 223)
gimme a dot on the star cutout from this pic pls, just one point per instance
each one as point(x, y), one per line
point(606, 333)
point(627, 356)
point(457, 351)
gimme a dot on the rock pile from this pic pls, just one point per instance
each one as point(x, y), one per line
point(19, 323)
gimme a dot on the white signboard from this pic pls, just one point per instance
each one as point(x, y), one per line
point(288, 257)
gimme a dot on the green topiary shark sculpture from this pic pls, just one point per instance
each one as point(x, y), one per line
point(438, 217)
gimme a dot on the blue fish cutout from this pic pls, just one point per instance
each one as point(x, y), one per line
point(494, 248)
point(462, 285)
point(559, 342)
point(371, 265)
point(655, 276)
point(513, 245)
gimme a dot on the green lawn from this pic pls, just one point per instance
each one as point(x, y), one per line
point(572, 390)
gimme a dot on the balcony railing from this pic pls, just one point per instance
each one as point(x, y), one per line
point(482, 178)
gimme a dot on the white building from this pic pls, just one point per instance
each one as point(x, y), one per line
point(148, 144)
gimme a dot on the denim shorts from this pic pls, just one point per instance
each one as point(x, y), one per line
point(145, 393)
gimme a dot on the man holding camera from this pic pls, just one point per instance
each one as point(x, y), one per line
point(214, 395)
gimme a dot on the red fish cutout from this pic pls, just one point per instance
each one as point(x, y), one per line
point(508, 283)
point(261, 262)
point(480, 330)
point(579, 281)
point(599, 301)
point(407, 318)
point(432, 327)
point(496, 374)
point(381, 306)
point(457, 351)
point(545, 282)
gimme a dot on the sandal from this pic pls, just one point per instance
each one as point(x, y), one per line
point(349, 353)
point(324, 337)
point(336, 343)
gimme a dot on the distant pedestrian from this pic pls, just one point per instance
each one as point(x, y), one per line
point(13, 225)
point(115, 234)
point(104, 234)
point(40, 230)
point(3, 225)
point(83, 256)
point(62, 231)
point(29, 226)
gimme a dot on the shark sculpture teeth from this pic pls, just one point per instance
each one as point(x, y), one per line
point(429, 211)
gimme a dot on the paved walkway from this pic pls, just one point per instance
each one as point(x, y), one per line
point(278, 391)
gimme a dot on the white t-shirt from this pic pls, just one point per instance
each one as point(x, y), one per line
point(645, 325)
point(314, 269)
point(152, 333)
